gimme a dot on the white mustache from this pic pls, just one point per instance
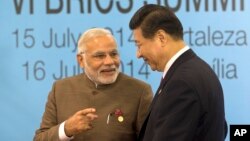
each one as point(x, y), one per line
point(112, 68)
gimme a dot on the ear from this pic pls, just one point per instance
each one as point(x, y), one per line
point(162, 36)
point(80, 60)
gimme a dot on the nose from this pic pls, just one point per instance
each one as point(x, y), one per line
point(138, 54)
point(108, 60)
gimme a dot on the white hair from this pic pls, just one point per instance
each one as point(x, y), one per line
point(89, 34)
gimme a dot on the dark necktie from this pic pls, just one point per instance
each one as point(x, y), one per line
point(161, 81)
point(161, 85)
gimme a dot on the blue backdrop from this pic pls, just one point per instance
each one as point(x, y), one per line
point(38, 46)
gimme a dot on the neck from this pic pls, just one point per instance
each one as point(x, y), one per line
point(170, 50)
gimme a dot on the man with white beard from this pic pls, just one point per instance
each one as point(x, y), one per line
point(99, 104)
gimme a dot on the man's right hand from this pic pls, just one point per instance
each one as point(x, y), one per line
point(80, 122)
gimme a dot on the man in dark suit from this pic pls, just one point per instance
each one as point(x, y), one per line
point(101, 104)
point(189, 103)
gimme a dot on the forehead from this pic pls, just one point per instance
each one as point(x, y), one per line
point(101, 43)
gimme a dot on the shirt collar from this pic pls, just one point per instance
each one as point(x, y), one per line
point(173, 59)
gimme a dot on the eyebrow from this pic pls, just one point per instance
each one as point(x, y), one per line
point(114, 50)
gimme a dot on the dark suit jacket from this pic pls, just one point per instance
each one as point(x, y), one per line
point(188, 105)
point(72, 94)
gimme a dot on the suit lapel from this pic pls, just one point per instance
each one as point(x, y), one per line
point(184, 57)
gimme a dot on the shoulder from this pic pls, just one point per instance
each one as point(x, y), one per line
point(131, 80)
point(134, 87)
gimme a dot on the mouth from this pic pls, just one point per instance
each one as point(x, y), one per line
point(108, 71)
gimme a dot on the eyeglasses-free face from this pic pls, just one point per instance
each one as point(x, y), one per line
point(148, 49)
point(101, 59)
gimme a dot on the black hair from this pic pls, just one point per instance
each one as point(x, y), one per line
point(151, 18)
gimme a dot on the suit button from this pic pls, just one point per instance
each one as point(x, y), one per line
point(94, 92)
